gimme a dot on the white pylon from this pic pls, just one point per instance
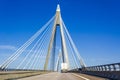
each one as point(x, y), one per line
point(57, 22)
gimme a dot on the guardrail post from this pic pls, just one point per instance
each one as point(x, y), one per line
point(119, 66)
point(109, 67)
point(98, 68)
point(114, 68)
point(101, 68)
point(105, 68)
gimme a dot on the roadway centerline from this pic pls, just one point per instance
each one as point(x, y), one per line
point(80, 76)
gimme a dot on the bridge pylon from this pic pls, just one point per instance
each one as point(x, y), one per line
point(57, 22)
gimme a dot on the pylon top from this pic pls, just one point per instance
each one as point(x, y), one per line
point(58, 7)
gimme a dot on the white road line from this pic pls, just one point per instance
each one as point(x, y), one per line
point(80, 76)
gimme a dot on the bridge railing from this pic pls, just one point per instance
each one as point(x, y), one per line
point(107, 67)
point(111, 71)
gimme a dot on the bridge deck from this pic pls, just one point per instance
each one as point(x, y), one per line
point(63, 76)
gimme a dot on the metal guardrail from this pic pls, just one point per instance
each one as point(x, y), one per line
point(111, 71)
point(107, 67)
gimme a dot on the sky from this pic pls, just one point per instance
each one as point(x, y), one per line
point(94, 26)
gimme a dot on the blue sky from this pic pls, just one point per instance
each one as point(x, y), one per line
point(93, 24)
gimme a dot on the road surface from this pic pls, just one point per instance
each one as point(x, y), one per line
point(63, 76)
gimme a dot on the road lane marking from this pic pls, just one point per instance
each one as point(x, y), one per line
point(80, 76)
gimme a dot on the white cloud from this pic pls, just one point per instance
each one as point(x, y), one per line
point(7, 47)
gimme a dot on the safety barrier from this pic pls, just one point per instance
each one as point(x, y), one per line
point(111, 71)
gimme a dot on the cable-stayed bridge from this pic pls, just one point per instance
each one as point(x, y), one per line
point(52, 49)
point(41, 52)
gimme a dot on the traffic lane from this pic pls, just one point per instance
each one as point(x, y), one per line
point(63, 76)
point(78, 76)
point(91, 77)
point(49, 76)
point(69, 76)
point(54, 76)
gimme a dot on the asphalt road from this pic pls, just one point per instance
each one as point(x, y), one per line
point(63, 76)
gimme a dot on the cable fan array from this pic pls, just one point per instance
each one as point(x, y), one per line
point(32, 54)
